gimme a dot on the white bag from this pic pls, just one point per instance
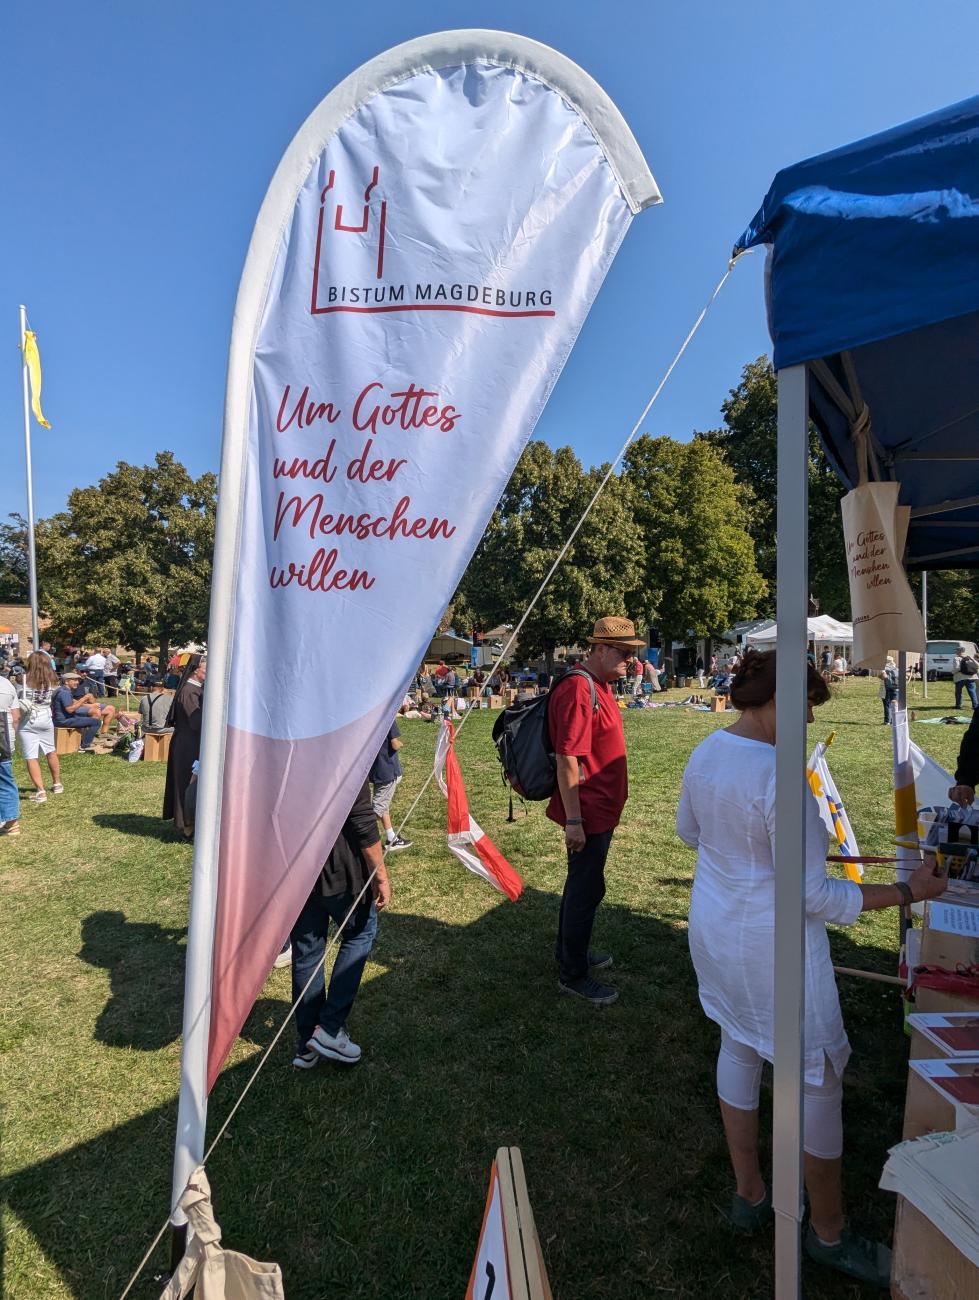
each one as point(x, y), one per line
point(885, 616)
point(217, 1273)
point(135, 751)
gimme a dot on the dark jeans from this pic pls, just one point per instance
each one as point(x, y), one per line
point(89, 727)
point(584, 889)
point(308, 943)
point(969, 686)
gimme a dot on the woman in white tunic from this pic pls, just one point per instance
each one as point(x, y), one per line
point(727, 813)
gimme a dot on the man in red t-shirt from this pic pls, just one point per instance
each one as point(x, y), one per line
point(592, 787)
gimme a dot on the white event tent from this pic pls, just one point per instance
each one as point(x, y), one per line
point(821, 630)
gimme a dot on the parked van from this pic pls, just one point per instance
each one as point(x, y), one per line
point(942, 656)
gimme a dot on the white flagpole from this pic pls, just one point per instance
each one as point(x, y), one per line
point(31, 562)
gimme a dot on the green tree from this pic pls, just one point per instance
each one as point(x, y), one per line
point(541, 504)
point(696, 556)
point(953, 603)
point(13, 562)
point(749, 444)
point(129, 560)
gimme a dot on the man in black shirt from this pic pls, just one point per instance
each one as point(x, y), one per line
point(321, 1018)
point(967, 769)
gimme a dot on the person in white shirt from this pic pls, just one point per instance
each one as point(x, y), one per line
point(111, 670)
point(94, 667)
point(727, 813)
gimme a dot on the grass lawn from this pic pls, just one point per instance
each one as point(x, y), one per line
point(370, 1183)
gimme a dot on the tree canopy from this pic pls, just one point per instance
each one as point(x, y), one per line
point(129, 560)
point(14, 584)
point(748, 442)
point(666, 543)
point(542, 502)
point(696, 554)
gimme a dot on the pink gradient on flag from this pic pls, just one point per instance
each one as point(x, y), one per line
point(284, 804)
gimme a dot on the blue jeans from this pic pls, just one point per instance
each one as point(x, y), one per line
point(89, 727)
point(584, 889)
point(308, 943)
point(9, 795)
point(966, 685)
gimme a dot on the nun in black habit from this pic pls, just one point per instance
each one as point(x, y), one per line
point(185, 746)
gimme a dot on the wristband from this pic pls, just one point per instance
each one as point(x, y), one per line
point(904, 889)
point(573, 821)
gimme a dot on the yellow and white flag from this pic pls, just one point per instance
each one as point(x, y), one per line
point(919, 782)
point(32, 360)
point(831, 808)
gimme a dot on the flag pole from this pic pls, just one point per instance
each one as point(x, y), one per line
point(31, 561)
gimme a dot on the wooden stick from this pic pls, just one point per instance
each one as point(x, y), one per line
point(870, 975)
point(850, 858)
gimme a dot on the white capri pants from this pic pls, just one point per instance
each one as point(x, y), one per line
point(38, 735)
point(739, 1083)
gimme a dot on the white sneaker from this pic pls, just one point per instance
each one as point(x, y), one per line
point(336, 1047)
point(306, 1060)
point(284, 958)
point(57, 788)
point(38, 797)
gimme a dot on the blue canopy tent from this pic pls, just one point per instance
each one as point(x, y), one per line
point(873, 301)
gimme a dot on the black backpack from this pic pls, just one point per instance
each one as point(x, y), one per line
point(968, 666)
point(523, 742)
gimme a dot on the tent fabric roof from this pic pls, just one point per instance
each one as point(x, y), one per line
point(873, 280)
point(824, 630)
point(874, 239)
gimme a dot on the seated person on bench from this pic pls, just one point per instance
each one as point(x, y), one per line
point(72, 714)
point(83, 694)
point(154, 708)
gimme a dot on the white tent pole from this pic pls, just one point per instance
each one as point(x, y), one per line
point(790, 833)
point(924, 619)
point(31, 561)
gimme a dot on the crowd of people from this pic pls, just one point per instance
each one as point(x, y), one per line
point(72, 690)
point(726, 813)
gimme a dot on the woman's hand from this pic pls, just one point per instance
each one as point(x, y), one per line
point(926, 881)
point(962, 795)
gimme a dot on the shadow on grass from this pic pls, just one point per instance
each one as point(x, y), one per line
point(467, 1046)
point(138, 824)
point(146, 979)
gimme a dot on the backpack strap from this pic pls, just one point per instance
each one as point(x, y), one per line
point(581, 672)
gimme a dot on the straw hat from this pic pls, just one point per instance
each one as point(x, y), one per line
point(615, 631)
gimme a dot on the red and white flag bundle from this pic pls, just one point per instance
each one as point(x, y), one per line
point(467, 840)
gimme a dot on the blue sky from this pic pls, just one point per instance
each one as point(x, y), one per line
point(139, 139)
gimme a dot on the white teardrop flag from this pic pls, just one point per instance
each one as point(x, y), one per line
point(422, 264)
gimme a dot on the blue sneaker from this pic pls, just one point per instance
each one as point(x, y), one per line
point(599, 995)
point(745, 1217)
point(867, 1261)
